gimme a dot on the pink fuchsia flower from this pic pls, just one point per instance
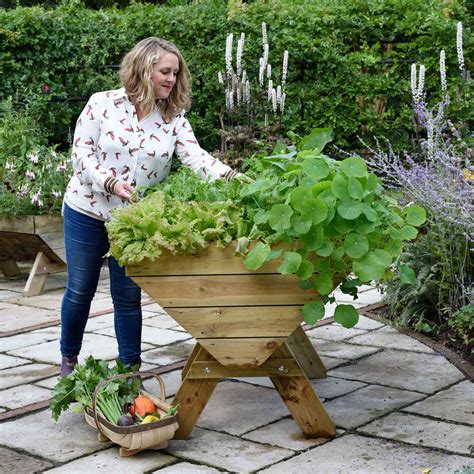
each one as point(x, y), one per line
point(57, 194)
point(33, 157)
point(30, 175)
point(36, 199)
point(45, 89)
point(62, 168)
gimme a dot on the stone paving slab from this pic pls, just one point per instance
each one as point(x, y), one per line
point(368, 323)
point(390, 338)
point(237, 408)
point(188, 468)
point(8, 294)
point(19, 463)
point(7, 361)
point(153, 335)
point(24, 340)
point(162, 321)
point(334, 332)
point(367, 404)
point(169, 354)
point(414, 371)
point(341, 350)
point(47, 300)
point(357, 454)
point(109, 462)
point(453, 404)
point(422, 431)
point(19, 317)
point(68, 438)
point(101, 347)
point(332, 387)
point(332, 362)
point(25, 374)
point(227, 452)
point(98, 323)
point(23, 395)
point(285, 434)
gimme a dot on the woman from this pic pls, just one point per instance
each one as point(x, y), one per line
point(124, 138)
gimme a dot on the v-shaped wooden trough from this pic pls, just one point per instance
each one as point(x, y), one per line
point(246, 323)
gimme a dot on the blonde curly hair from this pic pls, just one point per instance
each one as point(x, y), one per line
point(136, 72)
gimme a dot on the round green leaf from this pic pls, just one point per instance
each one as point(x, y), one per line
point(346, 315)
point(279, 217)
point(407, 274)
point(314, 208)
point(355, 188)
point(372, 182)
point(321, 186)
point(372, 265)
point(370, 213)
point(313, 239)
point(342, 225)
point(356, 245)
point(326, 249)
point(305, 270)
point(316, 167)
point(257, 256)
point(354, 166)
point(260, 217)
point(291, 263)
point(323, 284)
point(299, 195)
point(408, 232)
point(363, 226)
point(312, 312)
point(301, 224)
point(350, 209)
point(339, 187)
point(415, 215)
point(394, 247)
point(338, 253)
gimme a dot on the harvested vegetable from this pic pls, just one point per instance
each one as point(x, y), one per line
point(142, 405)
point(125, 420)
point(149, 419)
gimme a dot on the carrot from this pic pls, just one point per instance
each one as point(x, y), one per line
point(142, 405)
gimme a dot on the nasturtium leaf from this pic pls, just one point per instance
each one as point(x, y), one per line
point(394, 247)
point(415, 215)
point(369, 212)
point(260, 217)
point(342, 225)
point(322, 265)
point(354, 166)
point(339, 187)
point(300, 195)
point(317, 139)
point(407, 274)
point(305, 270)
point(350, 209)
point(384, 257)
point(371, 266)
point(338, 253)
point(326, 249)
point(396, 234)
point(355, 188)
point(313, 311)
point(408, 232)
point(257, 256)
point(330, 216)
point(313, 239)
point(258, 186)
point(316, 167)
point(323, 284)
point(273, 254)
point(346, 315)
point(314, 208)
point(305, 284)
point(372, 182)
point(363, 226)
point(356, 245)
point(321, 186)
point(291, 263)
point(279, 217)
point(301, 224)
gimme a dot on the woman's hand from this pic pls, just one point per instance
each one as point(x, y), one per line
point(124, 190)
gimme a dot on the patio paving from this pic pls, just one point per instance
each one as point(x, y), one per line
point(399, 406)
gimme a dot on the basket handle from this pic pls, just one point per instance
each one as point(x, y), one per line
point(105, 382)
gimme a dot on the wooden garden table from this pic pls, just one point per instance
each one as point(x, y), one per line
point(246, 324)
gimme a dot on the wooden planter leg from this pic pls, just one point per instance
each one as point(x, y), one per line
point(193, 395)
point(42, 267)
point(9, 268)
point(306, 355)
point(303, 403)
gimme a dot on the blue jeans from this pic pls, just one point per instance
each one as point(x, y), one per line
point(86, 244)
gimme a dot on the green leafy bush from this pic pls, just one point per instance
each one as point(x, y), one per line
point(333, 219)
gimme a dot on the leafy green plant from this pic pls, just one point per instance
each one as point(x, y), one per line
point(332, 218)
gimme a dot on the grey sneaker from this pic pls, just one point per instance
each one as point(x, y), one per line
point(67, 365)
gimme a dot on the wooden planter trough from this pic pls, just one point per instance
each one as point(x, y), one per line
point(246, 323)
point(32, 238)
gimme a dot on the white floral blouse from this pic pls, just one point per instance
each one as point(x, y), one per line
point(110, 142)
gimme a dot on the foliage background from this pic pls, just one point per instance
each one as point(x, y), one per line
point(344, 57)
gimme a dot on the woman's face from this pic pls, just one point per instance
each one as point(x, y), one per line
point(164, 75)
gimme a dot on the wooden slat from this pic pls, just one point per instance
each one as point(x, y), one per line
point(209, 261)
point(25, 224)
point(246, 321)
point(242, 351)
point(225, 290)
point(48, 224)
point(271, 367)
point(306, 355)
point(25, 247)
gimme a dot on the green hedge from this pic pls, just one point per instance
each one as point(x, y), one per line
point(339, 52)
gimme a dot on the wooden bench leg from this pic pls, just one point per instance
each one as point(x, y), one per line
point(9, 267)
point(193, 395)
point(42, 267)
point(306, 355)
point(303, 402)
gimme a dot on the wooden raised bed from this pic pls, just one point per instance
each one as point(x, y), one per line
point(246, 323)
point(32, 238)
